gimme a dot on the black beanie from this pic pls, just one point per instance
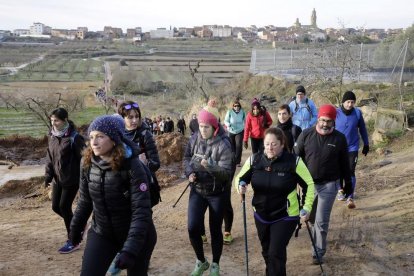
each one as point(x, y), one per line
point(348, 95)
point(301, 89)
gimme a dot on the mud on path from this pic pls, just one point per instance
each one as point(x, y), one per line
point(374, 239)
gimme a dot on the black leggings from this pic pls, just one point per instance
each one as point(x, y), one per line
point(237, 145)
point(100, 251)
point(62, 199)
point(257, 144)
point(274, 239)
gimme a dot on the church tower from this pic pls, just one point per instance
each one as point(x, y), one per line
point(313, 19)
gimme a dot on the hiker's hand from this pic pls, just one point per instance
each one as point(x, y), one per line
point(125, 260)
point(75, 238)
point(365, 150)
point(204, 163)
point(246, 145)
point(47, 184)
point(242, 187)
point(192, 177)
point(304, 215)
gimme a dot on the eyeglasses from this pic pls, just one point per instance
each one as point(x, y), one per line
point(129, 106)
point(325, 121)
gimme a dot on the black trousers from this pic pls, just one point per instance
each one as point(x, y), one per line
point(62, 199)
point(100, 251)
point(237, 145)
point(274, 239)
point(257, 144)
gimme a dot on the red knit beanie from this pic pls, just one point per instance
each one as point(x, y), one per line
point(209, 114)
point(327, 110)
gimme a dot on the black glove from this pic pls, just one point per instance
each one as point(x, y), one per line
point(348, 190)
point(365, 150)
point(47, 184)
point(75, 238)
point(125, 260)
point(47, 181)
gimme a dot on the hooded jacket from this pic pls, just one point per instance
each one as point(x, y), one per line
point(305, 115)
point(254, 126)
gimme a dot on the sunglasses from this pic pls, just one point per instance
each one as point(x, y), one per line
point(129, 106)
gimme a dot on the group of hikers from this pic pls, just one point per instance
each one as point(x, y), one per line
point(316, 150)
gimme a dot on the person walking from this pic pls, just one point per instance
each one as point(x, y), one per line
point(114, 186)
point(208, 163)
point(303, 109)
point(273, 175)
point(235, 120)
point(325, 152)
point(181, 126)
point(349, 121)
point(169, 125)
point(193, 124)
point(284, 122)
point(257, 121)
point(63, 168)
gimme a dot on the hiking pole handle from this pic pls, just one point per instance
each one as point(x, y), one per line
point(186, 187)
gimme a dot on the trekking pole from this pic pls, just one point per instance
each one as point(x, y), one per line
point(186, 187)
point(246, 249)
point(314, 247)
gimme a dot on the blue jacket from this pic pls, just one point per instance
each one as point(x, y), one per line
point(305, 115)
point(235, 121)
point(349, 126)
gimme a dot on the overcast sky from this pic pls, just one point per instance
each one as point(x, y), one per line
point(151, 14)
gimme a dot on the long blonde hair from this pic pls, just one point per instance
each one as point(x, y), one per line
point(118, 156)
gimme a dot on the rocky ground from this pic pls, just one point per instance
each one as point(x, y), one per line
point(376, 238)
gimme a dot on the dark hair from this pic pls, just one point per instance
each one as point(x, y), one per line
point(60, 113)
point(237, 102)
point(279, 136)
point(285, 106)
point(125, 112)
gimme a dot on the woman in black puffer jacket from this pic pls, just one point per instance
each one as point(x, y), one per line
point(62, 167)
point(115, 187)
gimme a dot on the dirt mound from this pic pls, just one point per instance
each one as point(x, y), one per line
point(32, 187)
point(171, 151)
point(18, 148)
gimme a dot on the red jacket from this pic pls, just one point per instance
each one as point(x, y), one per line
point(254, 126)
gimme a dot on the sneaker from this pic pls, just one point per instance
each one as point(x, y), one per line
point(215, 269)
point(227, 238)
point(315, 260)
point(200, 268)
point(112, 270)
point(68, 248)
point(350, 203)
point(204, 238)
point(341, 195)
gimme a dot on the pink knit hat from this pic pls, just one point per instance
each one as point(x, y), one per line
point(209, 114)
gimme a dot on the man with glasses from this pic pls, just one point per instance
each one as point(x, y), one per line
point(325, 153)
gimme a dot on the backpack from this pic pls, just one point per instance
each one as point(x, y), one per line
point(307, 105)
point(72, 138)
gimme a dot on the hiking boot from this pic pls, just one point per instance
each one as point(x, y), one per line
point(112, 270)
point(215, 269)
point(227, 238)
point(350, 203)
point(315, 260)
point(68, 248)
point(341, 195)
point(200, 267)
point(204, 238)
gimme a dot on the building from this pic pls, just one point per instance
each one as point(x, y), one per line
point(220, 31)
point(161, 33)
point(111, 32)
point(40, 29)
point(19, 32)
point(131, 33)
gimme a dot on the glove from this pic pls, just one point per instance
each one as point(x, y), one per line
point(75, 238)
point(348, 189)
point(47, 184)
point(246, 145)
point(125, 260)
point(242, 187)
point(365, 150)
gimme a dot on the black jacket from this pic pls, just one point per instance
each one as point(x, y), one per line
point(326, 156)
point(193, 125)
point(63, 159)
point(121, 210)
point(291, 132)
point(143, 137)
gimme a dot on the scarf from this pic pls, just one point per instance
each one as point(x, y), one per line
point(345, 111)
point(61, 132)
point(286, 125)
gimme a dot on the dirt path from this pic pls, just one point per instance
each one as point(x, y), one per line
point(374, 239)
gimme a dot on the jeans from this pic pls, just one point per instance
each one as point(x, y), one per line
point(274, 239)
point(237, 145)
point(62, 199)
point(197, 206)
point(326, 194)
point(100, 251)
